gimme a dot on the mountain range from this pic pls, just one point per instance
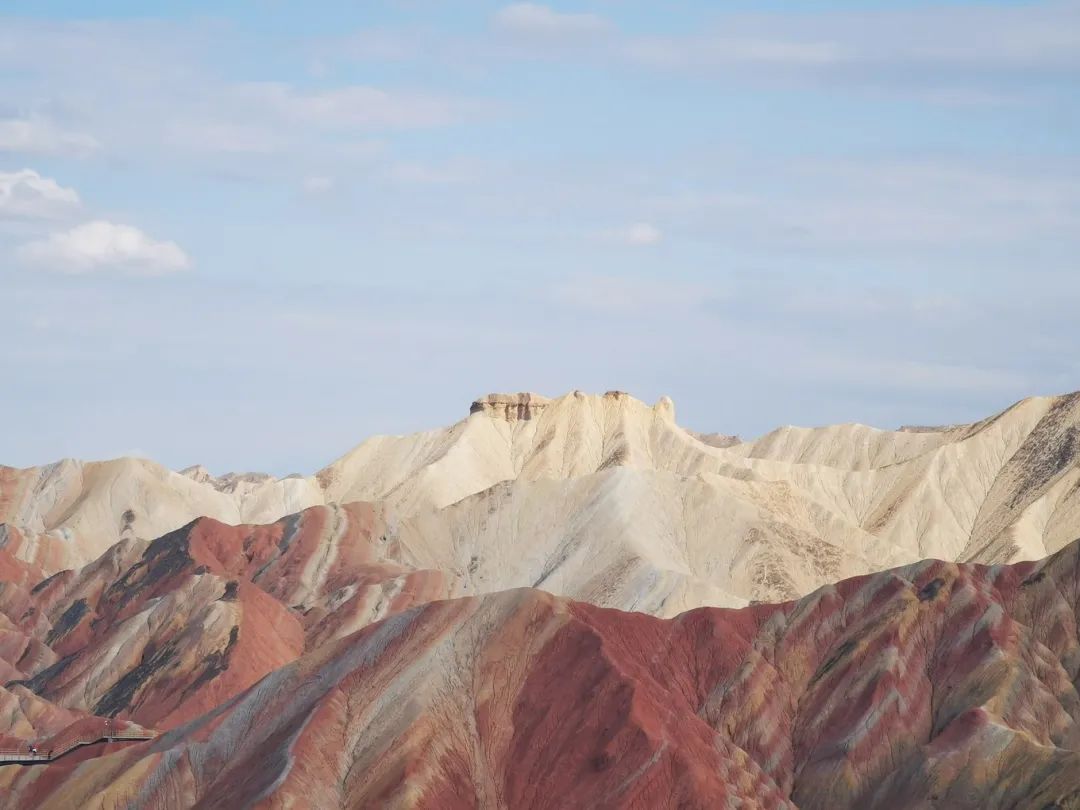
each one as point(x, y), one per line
point(568, 602)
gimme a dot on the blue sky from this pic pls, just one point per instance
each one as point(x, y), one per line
point(252, 234)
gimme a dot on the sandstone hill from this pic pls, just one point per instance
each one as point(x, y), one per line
point(610, 501)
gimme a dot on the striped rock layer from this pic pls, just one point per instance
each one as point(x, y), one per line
point(158, 633)
point(935, 685)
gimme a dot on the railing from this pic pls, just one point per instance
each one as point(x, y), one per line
point(47, 754)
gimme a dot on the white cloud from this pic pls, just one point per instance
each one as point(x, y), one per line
point(318, 184)
point(102, 245)
point(639, 234)
point(350, 107)
point(533, 19)
point(39, 136)
point(26, 194)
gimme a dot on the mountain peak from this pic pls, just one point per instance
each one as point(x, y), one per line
point(526, 405)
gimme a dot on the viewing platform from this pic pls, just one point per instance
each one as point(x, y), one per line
point(32, 752)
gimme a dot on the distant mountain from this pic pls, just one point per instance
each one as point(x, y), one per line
point(605, 499)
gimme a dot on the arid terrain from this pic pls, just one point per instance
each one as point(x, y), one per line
point(557, 603)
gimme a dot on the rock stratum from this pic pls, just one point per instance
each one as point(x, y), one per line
point(933, 685)
point(443, 620)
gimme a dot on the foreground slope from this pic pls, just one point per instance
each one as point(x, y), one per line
point(528, 491)
point(933, 685)
point(158, 633)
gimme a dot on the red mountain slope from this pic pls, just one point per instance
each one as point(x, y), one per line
point(161, 632)
point(934, 685)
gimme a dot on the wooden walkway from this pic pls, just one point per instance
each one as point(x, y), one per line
point(25, 756)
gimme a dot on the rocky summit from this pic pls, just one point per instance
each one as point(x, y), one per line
point(556, 603)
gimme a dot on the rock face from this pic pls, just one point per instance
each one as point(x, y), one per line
point(510, 407)
point(606, 499)
point(934, 685)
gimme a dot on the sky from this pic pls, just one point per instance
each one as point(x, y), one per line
point(252, 234)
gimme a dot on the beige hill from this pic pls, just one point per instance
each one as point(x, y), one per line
point(608, 500)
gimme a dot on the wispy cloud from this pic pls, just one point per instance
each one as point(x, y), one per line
point(715, 52)
point(884, 373)
point(354, 107)
point(871, 202)
point(36, 135)
point(225, 137)
point(630, 295)
point(183, 102)
point(952, 52)
point(637, 234)
point(535, 20)
point(318, 184)
point(415, 173)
